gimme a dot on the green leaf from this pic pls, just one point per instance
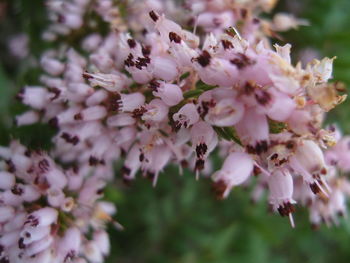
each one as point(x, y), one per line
point(112, 194)
point(195, 93)
point(276, 126)
point(185, 75)
point(228, 133)
point(200, 88)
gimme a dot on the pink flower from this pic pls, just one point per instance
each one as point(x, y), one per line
point(186, 116)
point(236, 170)
point(280, 193)
point(204, 140)
point(156, 111)
point(253, 130)
point(215, 71)
point(170, 94)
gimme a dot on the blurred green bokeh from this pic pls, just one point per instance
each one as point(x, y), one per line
point(180, 220)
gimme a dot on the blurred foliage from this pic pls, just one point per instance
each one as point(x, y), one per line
point(180, 220)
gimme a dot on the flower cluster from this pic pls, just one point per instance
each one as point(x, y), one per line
point(69, 16)
point(49, 214)
point(168, 95)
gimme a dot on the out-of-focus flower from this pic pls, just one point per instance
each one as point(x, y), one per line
point(47, 213)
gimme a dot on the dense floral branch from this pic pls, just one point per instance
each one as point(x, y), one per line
point(164, 95)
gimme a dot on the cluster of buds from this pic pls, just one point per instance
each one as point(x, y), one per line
point(168, 95)
point(48, 214)
point(69, 16)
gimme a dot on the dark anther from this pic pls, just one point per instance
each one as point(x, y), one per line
point(174, 37)
point(17, 190)
point(249, 88)
point(176, 126)
point(68, 138)
point(56, 93)
point(137, 113)
point(114, 102)
point(314, 188)
point(286, 209)
point(262, 97)
point(274, 156)
point(54, 122)
point(250, 149)
point(219, 189)
point(75, 140)
point(256, 21)
point(154, 84)
point(199, 165)
point(201, 149)
point(142, 62)
point(256, 170)
point(28, 153)
point(93, 161)
point(129, 62)
point(10, 166)
point(261, 147)
point(146, 51)
point(226, 44)
point(78, 117)
point(44, 165)
point(206, 105)
point(142, 157)
point(70, 256)
point(204, 58)
point(290, 145)
point(131, 43)
point(21, 245)
point(242, 61)
point(125, 171)
point(153, 15)
point(244, 13)
point(184, 163)
point(87, 75)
